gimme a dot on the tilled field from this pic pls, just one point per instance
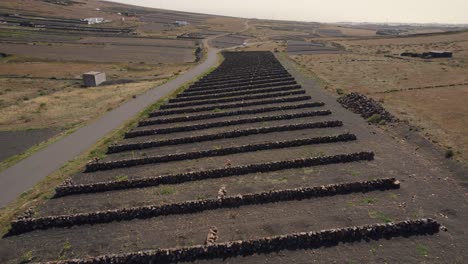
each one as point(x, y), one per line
point(247, 165)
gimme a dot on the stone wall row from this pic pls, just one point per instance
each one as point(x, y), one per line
point(231, 99)
point(241, 82)
point(242, 74)
point(265, 245)
point(150, 122)
point(222, 135)
point(249, 79)
point(70, 189)
point(253, 75)
point(196, 206)
point(186, 94)
point(231, 105)
point(235, 93)
point(168, 130)
point(125, 163)
point(235, 87)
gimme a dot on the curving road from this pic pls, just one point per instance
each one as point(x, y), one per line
point(28, 172)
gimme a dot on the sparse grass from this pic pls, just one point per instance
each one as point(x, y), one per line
point(422, 250)
point(167, 190)
point(380, 216)
point(201, 197)
point(339, 91)
point(217, 110)
point(369, 200)
point(283, 179)
point(27, 257)
point(66, 250)
point(120, 178)
point(374, 119)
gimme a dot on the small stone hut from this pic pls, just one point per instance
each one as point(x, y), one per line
point(93, 78)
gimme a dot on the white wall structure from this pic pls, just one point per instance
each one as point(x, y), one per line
point(93, 78)
point(94, 20)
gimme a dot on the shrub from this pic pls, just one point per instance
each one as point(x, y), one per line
point(374, 119)
point(121, 178)
point(449, 154)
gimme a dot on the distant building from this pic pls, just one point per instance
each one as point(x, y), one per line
point(94, 20)
point(438, 54)
point(181, 23)
point(92, 78)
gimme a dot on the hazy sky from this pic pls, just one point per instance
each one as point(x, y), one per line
point(420, 11)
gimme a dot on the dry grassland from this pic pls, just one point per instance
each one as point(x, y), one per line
point(42, 97)
point(70, 106)
point(406, 86)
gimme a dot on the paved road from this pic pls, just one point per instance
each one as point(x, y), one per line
point(28, 172)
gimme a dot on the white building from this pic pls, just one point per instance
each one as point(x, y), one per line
point(93, 78)
point(181, 23)
point(94, 20)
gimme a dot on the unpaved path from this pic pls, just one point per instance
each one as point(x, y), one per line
point(28, 172)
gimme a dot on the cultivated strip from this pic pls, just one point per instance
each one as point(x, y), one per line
point(168, 130)
point(231, 99)
point(213, 77)
point(229, 134)
point(265, 245)
point(236, 93)
point(125, 163)
point(196, 206)
point(231, 105)
point(229, 90)
point(69, 189)
point(241, 83)
point(150, 122)
point(251, 79)
point(213, 89)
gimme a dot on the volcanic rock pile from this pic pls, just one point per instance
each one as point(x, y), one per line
point(366, 107)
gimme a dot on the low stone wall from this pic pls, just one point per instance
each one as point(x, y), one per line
point(125, 163)
point(241, 80)
point(229, 90)
point(67, 189)
point(231, 105)
point(295, 241)
point(234, 88)
point(196, 206)
point(168, 130)
point(150, 122)
point(226, 80)
point(232, 99)
point(215, 77)
point(228, 134)
point(244, 82)
point(234, 93)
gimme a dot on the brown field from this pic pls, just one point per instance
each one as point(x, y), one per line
point(48, 94)
point(367, 69)
point(96, 53)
